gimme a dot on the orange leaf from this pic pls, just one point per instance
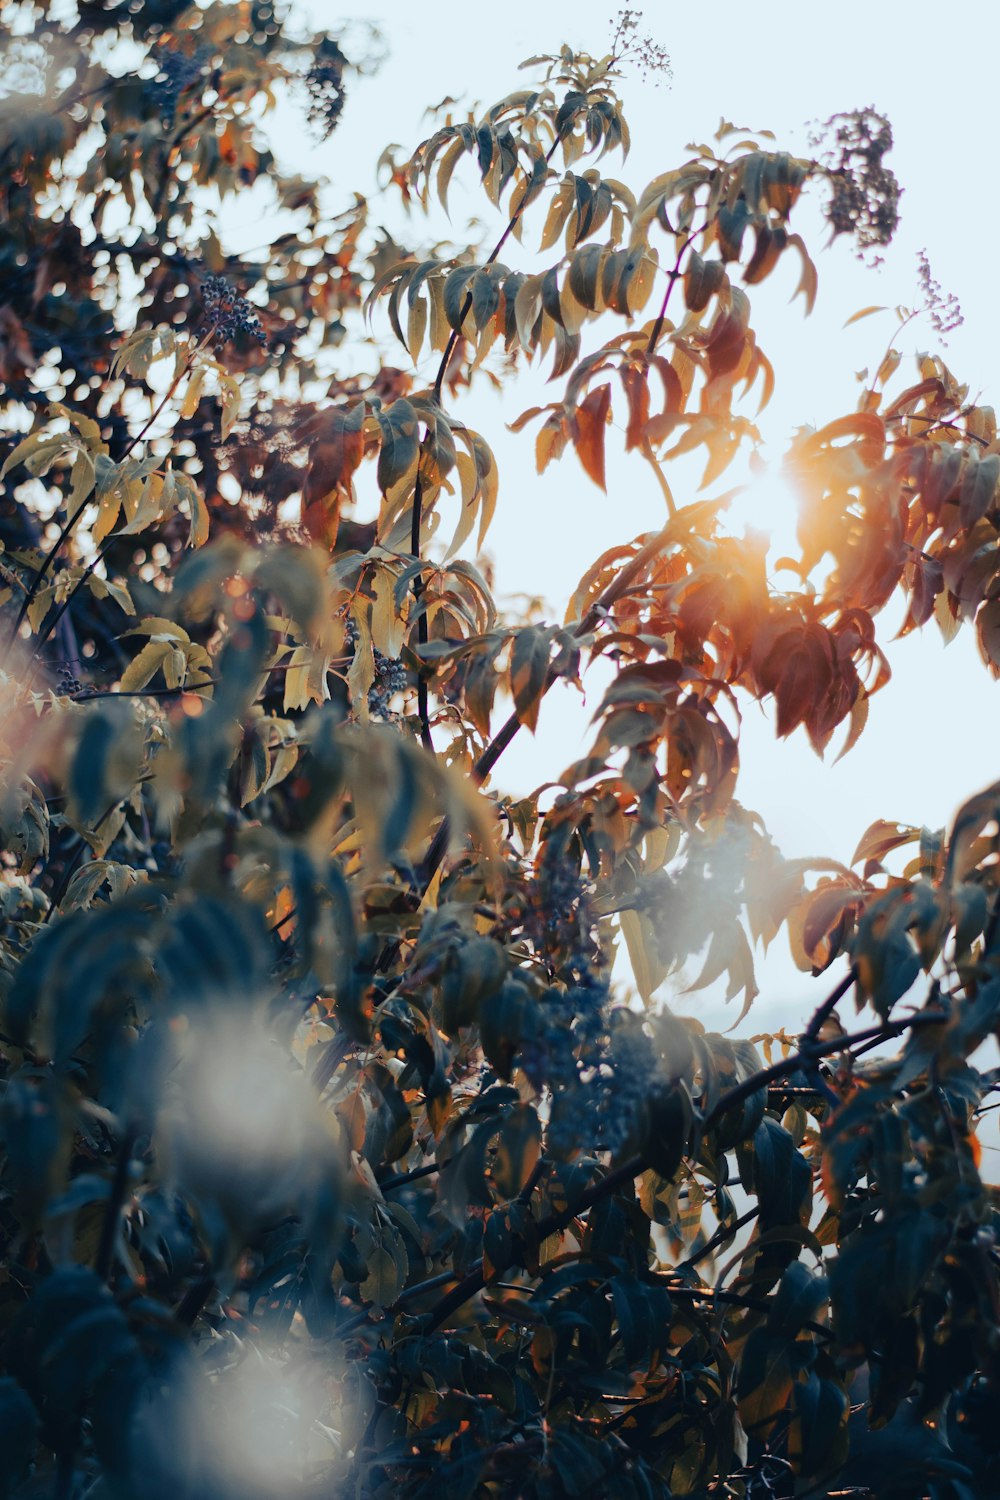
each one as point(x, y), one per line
point(637, 393)
point(592, 417)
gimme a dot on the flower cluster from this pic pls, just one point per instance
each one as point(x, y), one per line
point(628, 45)
point(325, 87)
point(229, 312)
point(943, 308)
point(865, 193)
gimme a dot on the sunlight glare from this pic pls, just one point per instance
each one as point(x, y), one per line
point(767, 506)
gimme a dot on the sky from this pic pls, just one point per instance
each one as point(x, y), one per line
point(932, 733)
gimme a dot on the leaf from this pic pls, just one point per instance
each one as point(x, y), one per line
point(880, 837)
point(592, 418)
point(817, 1437)
point(383, 1283)
point(765, 1381)
point(864, 312)
point(18, 1434)
point(648, 967)
point(193, 394)
point(529, 671)
point(31, 446)
point(397, 460)
point(145, 666)
point(229, 390)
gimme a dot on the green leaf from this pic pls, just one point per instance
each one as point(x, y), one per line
point(397, 460)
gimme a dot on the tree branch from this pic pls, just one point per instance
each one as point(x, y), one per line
point(554, 1223)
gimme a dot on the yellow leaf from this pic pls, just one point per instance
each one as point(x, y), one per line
point(297, 694)
point(174, 664)
point(193, 393)
point(388, 627)
point(864, 312)
point(640, 940)
point(145, 666)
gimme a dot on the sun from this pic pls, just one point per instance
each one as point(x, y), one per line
point(768, 505)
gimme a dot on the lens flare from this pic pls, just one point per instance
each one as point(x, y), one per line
point(768, 506)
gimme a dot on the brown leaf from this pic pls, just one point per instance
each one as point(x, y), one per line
point(592, 417)
point(636, 383)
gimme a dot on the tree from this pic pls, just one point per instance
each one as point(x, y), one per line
point(332, 1161)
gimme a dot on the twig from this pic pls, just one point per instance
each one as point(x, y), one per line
point(72, 866)
point(498, 744)
point(423, 707)
point(119, 1186)
point(829, 1005)
point(455, 334)
point(673, 277)
point(724, 1233)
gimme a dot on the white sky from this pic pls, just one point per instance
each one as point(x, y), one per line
point(932, 732)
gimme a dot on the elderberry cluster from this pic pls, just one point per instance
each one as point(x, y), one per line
point(230, 312)
point(567, 1056)
point(391, 676)
point(865, 193)
point(631, 1067)
point(325, 87)
point(178, 72)
point(68, 685)
point(559, 922)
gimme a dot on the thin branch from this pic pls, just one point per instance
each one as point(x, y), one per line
point(183, 130)
point(73, 864)
point(455, 334)
point(829, 1005)
point(400, 1179)
point(673, 277)
point(722, 1236)
point(109, 1228)
point(423, 707)
point(498, 744)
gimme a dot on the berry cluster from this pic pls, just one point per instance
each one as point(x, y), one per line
point(325, 86)
point(865, 193)
point(68, 685)
point(567, 1055)
point(560, 921)
point(230, 312)
point(391, 676)
point(179, 71)
point(631, 1068)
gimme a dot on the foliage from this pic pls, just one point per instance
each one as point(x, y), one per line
point(333, 1161)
